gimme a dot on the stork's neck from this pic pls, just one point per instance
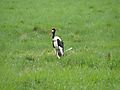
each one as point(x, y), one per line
point(53, 35)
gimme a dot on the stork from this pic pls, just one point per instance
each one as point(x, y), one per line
point(58, 44)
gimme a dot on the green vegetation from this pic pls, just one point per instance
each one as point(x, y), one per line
point(27, 60)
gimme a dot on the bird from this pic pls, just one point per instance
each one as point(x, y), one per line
point(58, 44)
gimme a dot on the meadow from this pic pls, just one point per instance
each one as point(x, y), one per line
point(90, 27)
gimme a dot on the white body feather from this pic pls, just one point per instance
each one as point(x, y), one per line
point(57, 48)
point(55, 41)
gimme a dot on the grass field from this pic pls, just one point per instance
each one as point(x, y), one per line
point(91, 27)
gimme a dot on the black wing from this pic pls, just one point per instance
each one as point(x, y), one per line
point(60, 43)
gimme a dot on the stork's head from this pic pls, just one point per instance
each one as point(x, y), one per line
point(53, 30)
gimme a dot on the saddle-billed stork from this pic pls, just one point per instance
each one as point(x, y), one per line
point(58, 44)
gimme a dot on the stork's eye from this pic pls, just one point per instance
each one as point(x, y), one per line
point(52, 30)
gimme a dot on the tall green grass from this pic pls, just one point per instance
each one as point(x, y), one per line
point(27, 59)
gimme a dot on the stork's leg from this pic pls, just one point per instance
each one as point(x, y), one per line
point(58, 56)
point(57, 53)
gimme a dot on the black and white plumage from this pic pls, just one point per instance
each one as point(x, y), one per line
point(58, 44)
